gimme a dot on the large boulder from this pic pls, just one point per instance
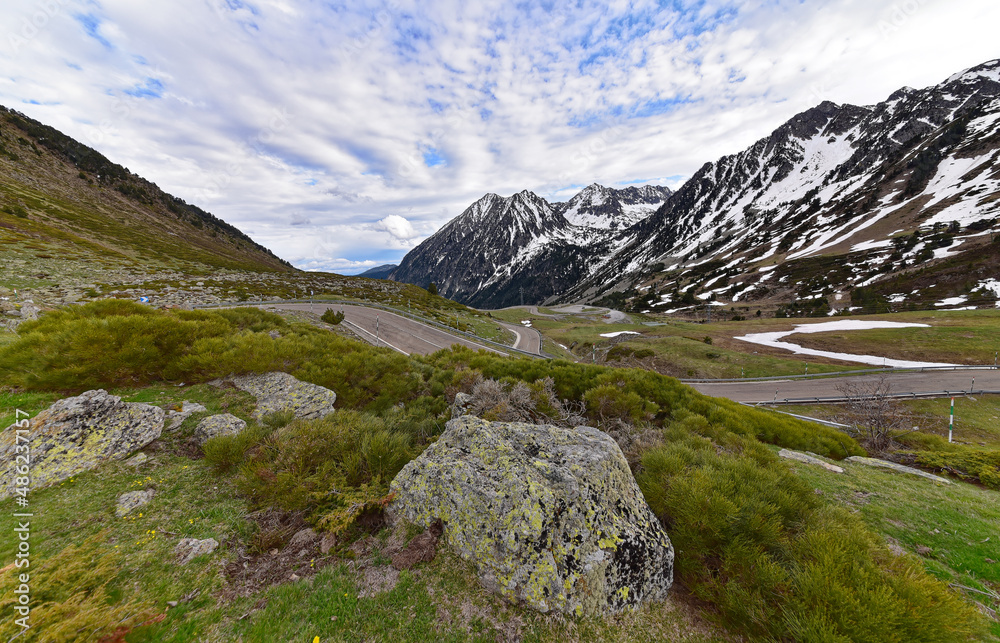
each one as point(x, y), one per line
point(550, 517)
point(281, 392)
point(78, 433)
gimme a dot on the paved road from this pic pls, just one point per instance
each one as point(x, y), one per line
point(928, 382)
point(528, 339)
point(403, 334)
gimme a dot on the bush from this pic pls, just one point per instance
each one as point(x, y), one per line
point(331, 317)
point(977, 464)
point(308, 464)
point(753, 539)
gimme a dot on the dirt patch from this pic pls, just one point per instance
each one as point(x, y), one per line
point(377, 579)
point(284, 549)
point(422, 548)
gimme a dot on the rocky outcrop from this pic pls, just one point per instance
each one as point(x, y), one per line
point(462, 405)
point(78, 433)
point(885, 464)
point(550, 517)
point(176, 418)
point(281, 392)
point(187, 549)
point(809, 458)
point(221, 424)
point(132, 500)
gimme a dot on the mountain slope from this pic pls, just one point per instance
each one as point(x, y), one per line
point(501, 250)
point(889, 189)
point(379, 272)
point(69, 201)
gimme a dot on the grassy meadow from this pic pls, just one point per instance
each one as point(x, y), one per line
point(761, 555)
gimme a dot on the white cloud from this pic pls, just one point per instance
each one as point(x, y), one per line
point(369, 118)
point(397, 226)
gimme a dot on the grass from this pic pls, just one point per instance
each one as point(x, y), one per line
point(189, 502)
point(409, 396)
point(961, 337)
point(977, 419)
point(439, 602)
point(958, 523)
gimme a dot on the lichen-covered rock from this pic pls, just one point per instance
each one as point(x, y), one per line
point(221, 424)
point(809, 458)
point(187, 549)
point(78, 433)
point(137, 459)
point(549, 516)
point(461, 405)
point(281, 392)
point(875, 462)
point(132, 500)
point(176, 418)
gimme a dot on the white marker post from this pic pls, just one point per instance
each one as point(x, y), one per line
point(951, 422)
point(376, 330)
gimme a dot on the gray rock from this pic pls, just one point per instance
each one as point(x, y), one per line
point(176, 418)
point(221, 424)
point(303, 538)
point(29, 311)
point(128, 502)
point(550, 517)
point(281, 392)
point(809, 459)
point(137, 459)
point(885, 464)
point(189, 548)
point(461, 405)
point(78, 433)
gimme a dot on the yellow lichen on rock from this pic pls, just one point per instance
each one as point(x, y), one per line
point(550, 517)
point(78, 433)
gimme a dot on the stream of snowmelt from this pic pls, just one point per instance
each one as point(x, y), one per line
point(772, 339)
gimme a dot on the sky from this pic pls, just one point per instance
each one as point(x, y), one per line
point(340, 135)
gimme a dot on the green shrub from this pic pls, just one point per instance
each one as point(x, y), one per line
point(331, 317)
point(278, 419)
point(978, 464)
point(226, 452)
point(754, 540)
point(306, 464)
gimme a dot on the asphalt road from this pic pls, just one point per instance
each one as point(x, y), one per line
point(926, 382)
point(528, 339)
point(403, 334)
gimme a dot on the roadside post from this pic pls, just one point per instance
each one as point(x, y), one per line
point(376, 330)
point(951, 421)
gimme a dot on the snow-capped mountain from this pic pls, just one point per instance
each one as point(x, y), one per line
point(854, 182)
point(832, 180)
point(608, 209)
point(499, 246)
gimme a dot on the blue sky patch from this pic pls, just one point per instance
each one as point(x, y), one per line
point(434, 158)
point(151, 88)
point(91, 25)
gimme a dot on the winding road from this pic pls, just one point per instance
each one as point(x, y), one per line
point(958, 382)
point(395, 331)
point(528, 339)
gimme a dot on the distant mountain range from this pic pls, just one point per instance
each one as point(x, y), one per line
point(840, 197)
point(502, 249)
point(379, 272)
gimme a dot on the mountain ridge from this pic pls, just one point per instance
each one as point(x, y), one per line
point(54, 189)
point(523, 242)
point(833, 180)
